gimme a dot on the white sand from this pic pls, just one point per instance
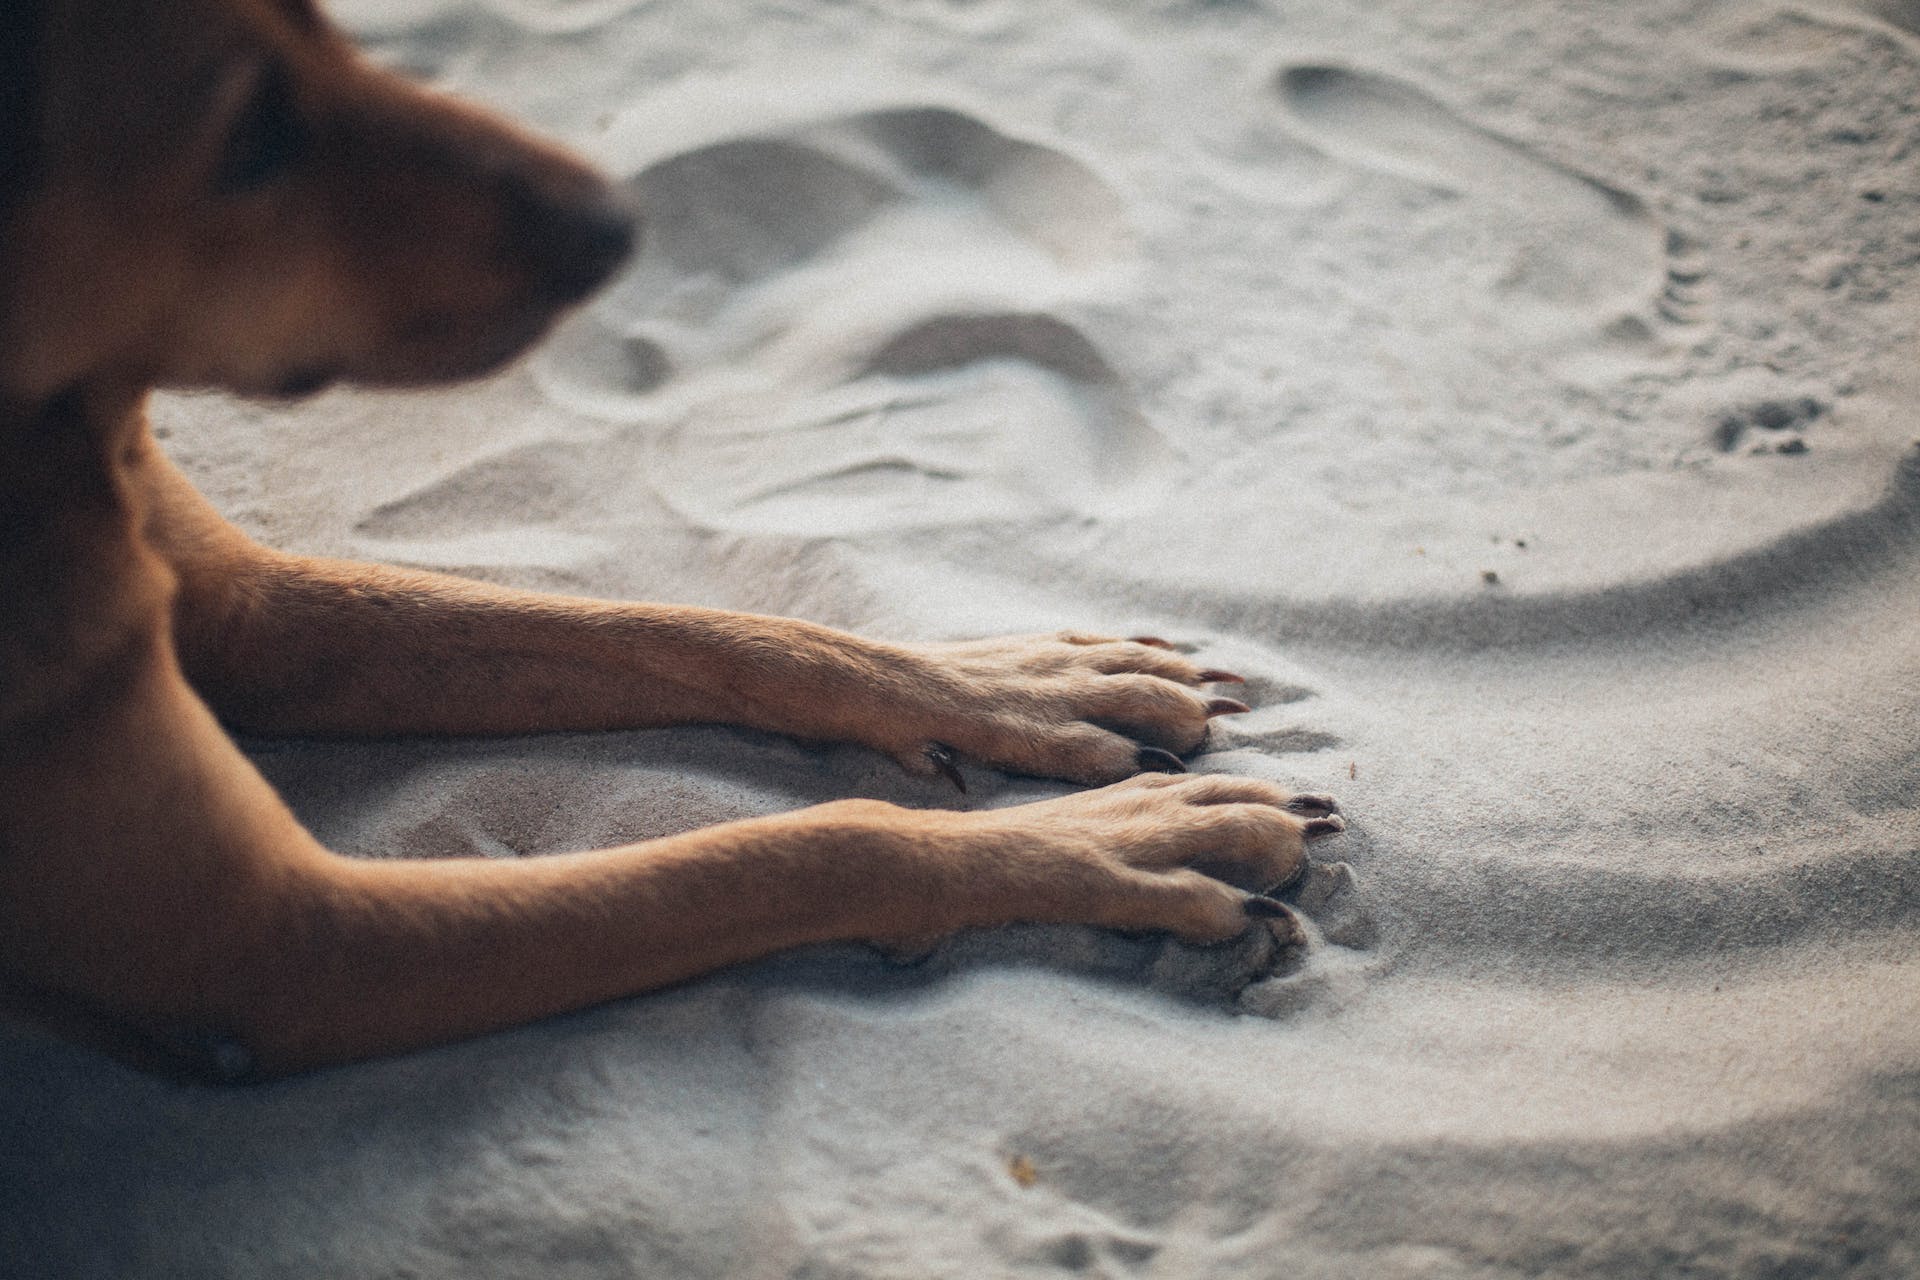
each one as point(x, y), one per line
point(1522, 393)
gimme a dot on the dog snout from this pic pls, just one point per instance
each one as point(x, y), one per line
point(573, 243)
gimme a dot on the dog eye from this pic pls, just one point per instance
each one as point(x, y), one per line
point(267, 139)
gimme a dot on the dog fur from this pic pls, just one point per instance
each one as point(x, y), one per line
point(221, 193)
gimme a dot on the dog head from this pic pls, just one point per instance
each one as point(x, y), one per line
point(223, 193)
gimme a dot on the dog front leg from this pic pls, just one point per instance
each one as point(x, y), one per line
point(296, 644)
point(151, 878)
point(292, 644)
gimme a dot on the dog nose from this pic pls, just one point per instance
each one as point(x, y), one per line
point(574, 244)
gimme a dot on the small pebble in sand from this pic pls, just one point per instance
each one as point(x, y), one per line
point(1489, 577)
point(1023, 1171)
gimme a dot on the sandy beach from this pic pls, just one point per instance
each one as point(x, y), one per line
point(1523, 396)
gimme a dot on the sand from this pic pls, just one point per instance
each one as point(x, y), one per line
point(1521, 394)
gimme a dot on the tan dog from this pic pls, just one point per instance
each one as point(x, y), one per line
point(220, 193)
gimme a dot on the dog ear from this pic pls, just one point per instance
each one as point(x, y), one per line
point(20, 54)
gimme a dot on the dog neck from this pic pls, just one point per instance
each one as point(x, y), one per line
point(80, 432)
point(81, 584)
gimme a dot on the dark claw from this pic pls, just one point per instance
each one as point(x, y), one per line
point(1212, 676)
point(1292, 882)
point(1227, 707)
point(1154, 760)
point(1326, 826)
point(1261, 908)
point(1153, 642)
point(942, 759)
point(1313, 806)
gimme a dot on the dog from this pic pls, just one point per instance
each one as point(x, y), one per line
point(224, 194)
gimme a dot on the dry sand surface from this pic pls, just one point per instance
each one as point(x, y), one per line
point(1523, 394)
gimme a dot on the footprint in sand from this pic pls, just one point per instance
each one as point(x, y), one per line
point(1579, 248)
point(1774, 425)
point(853, 325)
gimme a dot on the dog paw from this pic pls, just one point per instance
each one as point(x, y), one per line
point(1269, 948)
point(1086, 709)
point(1199, 857)
point(1309, 956)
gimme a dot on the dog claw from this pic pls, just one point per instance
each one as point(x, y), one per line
point(1286, 888)
point(1214, 676)
point(1261, 907)
point(1227, 707)
point(1153, 642)
point(1313, 806)
point(1154, 760)
point(942, 759)
point(1329, 825)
